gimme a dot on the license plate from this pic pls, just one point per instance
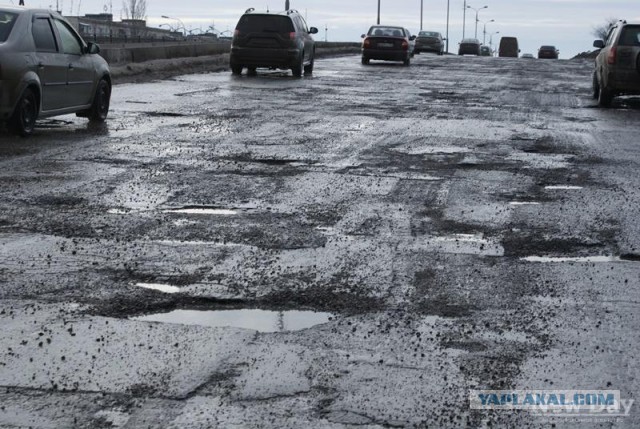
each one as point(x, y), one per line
point(385, 45)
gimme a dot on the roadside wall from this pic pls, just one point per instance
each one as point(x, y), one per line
point(132, 53)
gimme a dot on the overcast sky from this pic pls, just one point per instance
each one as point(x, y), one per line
point(568, 24)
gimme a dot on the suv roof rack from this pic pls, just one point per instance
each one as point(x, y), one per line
point(290, 11)
point(251, 9)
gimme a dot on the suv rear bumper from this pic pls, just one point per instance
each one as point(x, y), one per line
point(261, 57)
point(624, 81)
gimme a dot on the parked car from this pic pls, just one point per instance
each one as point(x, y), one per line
point(485, 51)
point(388, 43)
point(548, 51)
point(528, 56)
point(508, 47)
point(273, 40)
point(469, 47)
point(46, 69)
point(617, 66)
point(429, 41)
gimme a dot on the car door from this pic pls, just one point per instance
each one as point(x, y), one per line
point(80, 66)
point(50, 63)
point(306, 37)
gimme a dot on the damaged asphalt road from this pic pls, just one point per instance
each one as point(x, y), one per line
point(358, 248)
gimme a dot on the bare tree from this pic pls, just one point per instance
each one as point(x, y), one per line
point(135, 9)
point(601, 31)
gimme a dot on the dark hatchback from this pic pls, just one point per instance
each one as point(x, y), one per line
point(549, 52)
point(273, 40)
point(469, 47)
point(387, 44)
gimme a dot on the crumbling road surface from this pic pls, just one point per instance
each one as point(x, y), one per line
point(362, 247)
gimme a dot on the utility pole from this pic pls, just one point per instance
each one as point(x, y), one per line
point(448, 3)
point(421, 13)
point(326, 30)
point(378, 22)
point(286, 5)
point(464, 18)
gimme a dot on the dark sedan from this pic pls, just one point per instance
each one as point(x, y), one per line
point(48, 70)
point(548, 51)
point(429, 41)
point(469, 47)
point(387, 44)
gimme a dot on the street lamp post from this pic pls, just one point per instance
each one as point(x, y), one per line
point(477, 10)
point(484, 31)
point(378, 21)
point(184, 29)
point(421, 13)
point(491, 40)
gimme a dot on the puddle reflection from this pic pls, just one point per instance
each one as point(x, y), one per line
point(259, 320)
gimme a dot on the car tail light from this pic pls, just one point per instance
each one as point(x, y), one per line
point(236, 33)
point(611, 58)
point(405, 45)
point(366, 43)
point(292, 35)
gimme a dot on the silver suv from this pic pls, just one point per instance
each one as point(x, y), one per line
point(274, 40)
point(617, 70)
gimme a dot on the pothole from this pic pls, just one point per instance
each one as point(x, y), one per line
point(258, 320)
point(204, 210)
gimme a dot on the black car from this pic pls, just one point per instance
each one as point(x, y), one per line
point(429, 41)
point(388, 43)
point(485, 51)
point(469, 47)
point(548, 51)
point(617, 66)
point(273, 40)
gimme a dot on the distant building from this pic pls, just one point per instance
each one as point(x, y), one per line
point(102, 26)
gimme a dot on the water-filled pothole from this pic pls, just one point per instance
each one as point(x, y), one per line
point(259, 320)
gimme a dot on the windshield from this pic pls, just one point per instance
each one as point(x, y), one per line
point(265, 24)
point(7, 19)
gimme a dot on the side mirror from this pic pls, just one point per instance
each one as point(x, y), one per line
point(598, 44)
point(313, 30)
point(444, 38)
point(412, 38)
point(362, 36)
point(92, 48)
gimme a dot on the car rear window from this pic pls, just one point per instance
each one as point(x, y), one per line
point(630, 36)
point(428, 34)
point(386, 31)
point(7, 19)
point(265, 24)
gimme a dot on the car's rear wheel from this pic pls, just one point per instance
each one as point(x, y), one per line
point(23, 119)
point(236, 69)
point(298, 69)
point(251, 71)
point(595, 86)
point(100, 107)
point(308, 69)
point(365, 61)
point(605, 96)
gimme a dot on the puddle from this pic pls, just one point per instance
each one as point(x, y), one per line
point(258, 320)
point(524, 203)
point(203, 210)
point(548, 259)
point(563, 187)
point(159, 287)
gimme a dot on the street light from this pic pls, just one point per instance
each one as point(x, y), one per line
point(378, 12)
point(176, 19)
point(421, 12)
point(447, 26)
point(484, 31)
point(477, 10)
point(491, 40)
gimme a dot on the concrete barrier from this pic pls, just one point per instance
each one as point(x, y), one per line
point(137, 53)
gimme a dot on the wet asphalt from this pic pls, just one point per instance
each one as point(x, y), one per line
point(397, 236)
